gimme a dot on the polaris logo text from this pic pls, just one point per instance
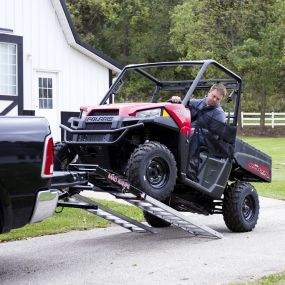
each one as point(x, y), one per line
point(115, 179)
point(98, 119)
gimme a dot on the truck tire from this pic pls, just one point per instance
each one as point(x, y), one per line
point(240, 207)
point(155, 221)
point(63, 156)
point(152, 169)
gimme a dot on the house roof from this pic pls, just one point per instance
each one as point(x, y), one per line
point(74, 40)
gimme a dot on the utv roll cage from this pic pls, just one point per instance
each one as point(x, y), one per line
point(234, 82)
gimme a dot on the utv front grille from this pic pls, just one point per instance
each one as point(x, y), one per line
point(92, 138)
point(98, 126)
point(104, 113)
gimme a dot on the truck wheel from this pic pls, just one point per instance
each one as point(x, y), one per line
point(152, 169)
point(155, 221)
point(63, 156)
point(241, 207)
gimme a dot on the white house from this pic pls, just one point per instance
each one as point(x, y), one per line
point(45, 69)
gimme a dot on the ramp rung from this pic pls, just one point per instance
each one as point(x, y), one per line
point(153, 209)
point(142, 204)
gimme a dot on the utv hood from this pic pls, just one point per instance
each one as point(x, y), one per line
point(125, 109)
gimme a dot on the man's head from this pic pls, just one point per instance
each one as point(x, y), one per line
point(215, 95)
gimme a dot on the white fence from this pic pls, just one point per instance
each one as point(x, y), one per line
point(271, 119)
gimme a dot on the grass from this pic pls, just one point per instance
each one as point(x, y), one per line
point(275, 148)
point(69, 220)
point(274, 279)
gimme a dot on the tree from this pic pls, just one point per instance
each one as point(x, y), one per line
point(248, 36)
point(260, 59)
point(130, 31)
point(206, 28)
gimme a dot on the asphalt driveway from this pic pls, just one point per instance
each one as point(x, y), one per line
point(116, 256)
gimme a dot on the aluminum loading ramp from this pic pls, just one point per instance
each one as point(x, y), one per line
point(122, 189)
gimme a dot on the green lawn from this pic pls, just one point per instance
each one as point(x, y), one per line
point(275, 147)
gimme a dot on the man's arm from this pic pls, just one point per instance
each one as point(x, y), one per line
point(219, 115)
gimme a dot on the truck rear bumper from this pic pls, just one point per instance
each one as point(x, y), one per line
point(45, 205)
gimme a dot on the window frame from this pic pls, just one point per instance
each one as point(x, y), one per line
point(19, 98)
point(10, 75)
point(45, 87)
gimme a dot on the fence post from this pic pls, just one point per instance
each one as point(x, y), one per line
point(272, 120)
point(241, 114)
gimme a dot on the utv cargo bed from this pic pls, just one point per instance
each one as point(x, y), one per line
point(256, 164)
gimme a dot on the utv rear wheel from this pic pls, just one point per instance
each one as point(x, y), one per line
point(152, 169)
point(241, 207)
point(63, 156)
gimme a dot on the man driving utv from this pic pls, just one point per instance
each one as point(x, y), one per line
point(211, 104)
point(206, 116)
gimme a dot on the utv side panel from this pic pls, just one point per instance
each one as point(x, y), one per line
point(255, 163)
point(214, 175)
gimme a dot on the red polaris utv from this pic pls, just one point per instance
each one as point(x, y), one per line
point(137, 133)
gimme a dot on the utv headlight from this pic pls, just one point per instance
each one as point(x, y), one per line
point(149, 113)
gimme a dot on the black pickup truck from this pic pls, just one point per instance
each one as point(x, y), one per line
point(26, 168)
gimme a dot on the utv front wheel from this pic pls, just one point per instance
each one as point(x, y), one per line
point(241, 207)
point(63, 156)
point(152, 169)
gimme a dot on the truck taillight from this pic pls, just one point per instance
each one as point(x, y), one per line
point(48, 158)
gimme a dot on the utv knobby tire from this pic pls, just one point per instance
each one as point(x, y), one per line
point(241, 207)
point(63, 156)
point(152, 169)
point(155, 221)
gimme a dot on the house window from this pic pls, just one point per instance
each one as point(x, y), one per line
point(45, 93)
point(8, 69)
